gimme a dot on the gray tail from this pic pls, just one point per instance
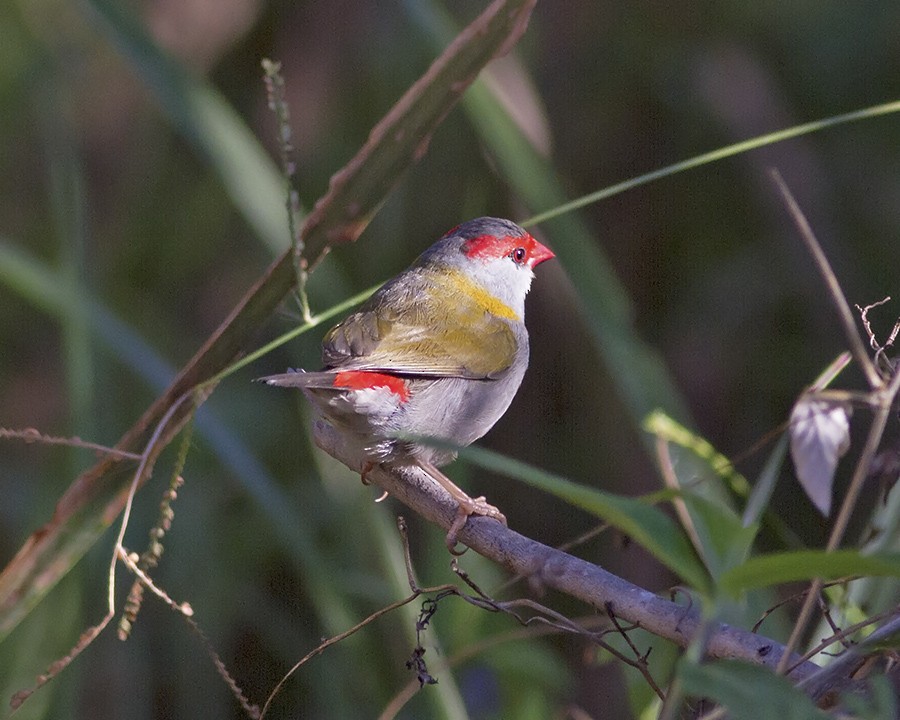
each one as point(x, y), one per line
point(299, 378)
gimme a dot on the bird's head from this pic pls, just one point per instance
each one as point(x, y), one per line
point(497, 255)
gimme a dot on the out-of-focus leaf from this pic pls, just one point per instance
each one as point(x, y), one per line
point(776, 568)
point(645, 524)
point(820, 435)
point(200, 113)
point(724, 541)
point(879, 702)
point(748, 691)
point(765, 483)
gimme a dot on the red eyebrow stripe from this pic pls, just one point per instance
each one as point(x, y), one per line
point(365, 380)
point(490, 245)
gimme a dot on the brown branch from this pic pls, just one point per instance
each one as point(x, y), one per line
point(568, 574)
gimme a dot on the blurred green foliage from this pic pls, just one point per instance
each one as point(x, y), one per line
point(123, 213)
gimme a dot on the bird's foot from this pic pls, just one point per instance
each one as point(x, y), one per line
point(470, 506)
point(366, 469)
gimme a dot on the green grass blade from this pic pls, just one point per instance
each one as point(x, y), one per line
point(724, 541)
point(728, 151)
point(761, 494)
point(67, 200)
point(671, 431)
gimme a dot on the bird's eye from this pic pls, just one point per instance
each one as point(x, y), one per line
point(518, 255)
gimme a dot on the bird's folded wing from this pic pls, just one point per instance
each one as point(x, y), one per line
point(481, 346)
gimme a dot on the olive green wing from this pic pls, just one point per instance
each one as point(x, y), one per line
point(452, 337)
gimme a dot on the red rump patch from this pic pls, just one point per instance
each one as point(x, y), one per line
point(365, 380)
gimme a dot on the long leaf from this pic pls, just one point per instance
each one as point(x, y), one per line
point(775, 568)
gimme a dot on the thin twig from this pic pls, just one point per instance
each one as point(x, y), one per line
point(641, 659)
point(275, 91)
point(403, 696)
point(183, 608)
point(544, 616)
point(848, 631)
point(796, 596)
point(667, 469)
point(826, 613)
point(867, 324)
point(56, 667)
point(31, 435)
point(831, 281)
point(880, 350)
point(838, 672)
point(250, 709)
point(321, 647)
point(407, 556)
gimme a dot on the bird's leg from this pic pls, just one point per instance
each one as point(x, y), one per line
point(467, 505)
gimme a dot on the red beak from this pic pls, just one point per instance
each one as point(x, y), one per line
point(538, 254)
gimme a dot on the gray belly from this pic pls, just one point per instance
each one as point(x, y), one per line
point(457, 410)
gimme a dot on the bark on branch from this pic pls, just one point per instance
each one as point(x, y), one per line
point(563, 572)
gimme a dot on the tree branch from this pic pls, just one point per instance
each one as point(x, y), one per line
point(563, 572)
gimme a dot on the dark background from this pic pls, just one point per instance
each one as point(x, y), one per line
point(273, 545)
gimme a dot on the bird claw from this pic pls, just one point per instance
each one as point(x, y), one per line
point(474, 506)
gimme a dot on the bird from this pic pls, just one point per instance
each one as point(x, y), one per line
point(439, 351)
